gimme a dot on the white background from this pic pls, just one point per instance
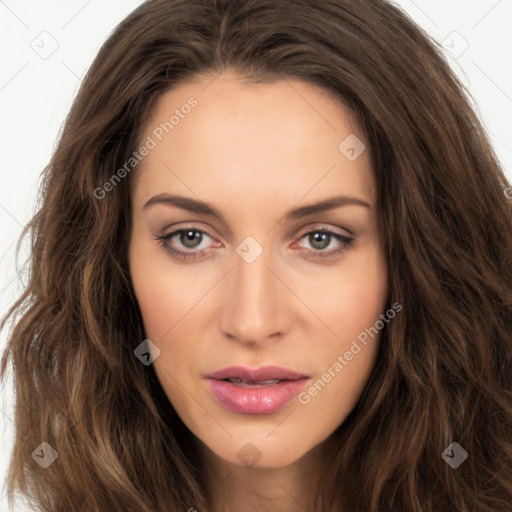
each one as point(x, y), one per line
point(37, 90)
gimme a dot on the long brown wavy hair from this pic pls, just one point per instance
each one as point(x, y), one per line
point(444, 370)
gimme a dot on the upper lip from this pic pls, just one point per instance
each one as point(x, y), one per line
point(256, 374)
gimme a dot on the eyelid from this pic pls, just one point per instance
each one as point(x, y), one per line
point(325, 227)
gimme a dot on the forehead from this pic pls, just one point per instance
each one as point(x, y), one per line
point(285, 137)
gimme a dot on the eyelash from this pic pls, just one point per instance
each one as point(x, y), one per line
point(346, 243)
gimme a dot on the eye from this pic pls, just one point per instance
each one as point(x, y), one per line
point(187, 238)
point(321, 239)
point(188, 243)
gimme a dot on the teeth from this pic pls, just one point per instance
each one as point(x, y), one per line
point(269, 382)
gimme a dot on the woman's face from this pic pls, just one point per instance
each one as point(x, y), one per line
point(255, 246)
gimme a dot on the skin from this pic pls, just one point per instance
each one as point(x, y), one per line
point(256, 151)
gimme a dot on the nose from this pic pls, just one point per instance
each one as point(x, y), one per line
point(255, 306)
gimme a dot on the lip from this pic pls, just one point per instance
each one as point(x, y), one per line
point(261, 399)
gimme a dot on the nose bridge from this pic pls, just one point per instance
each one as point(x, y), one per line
point(253, 309)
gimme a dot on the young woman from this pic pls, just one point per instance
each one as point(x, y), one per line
point(271, 271)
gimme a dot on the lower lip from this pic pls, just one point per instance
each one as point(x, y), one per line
point(260, 400)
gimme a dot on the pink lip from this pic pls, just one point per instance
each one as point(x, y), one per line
point(263, 399)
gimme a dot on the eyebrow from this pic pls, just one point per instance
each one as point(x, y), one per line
point(204, 208)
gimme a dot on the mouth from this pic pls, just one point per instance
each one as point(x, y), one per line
point(251, 384)
point(255, 391)
point(262, 374)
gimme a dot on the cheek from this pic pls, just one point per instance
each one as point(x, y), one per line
point(357, 296)
point(153, 306)
point(352, 305)
point(162, 307)
point(155, 302)
point(164, 297)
